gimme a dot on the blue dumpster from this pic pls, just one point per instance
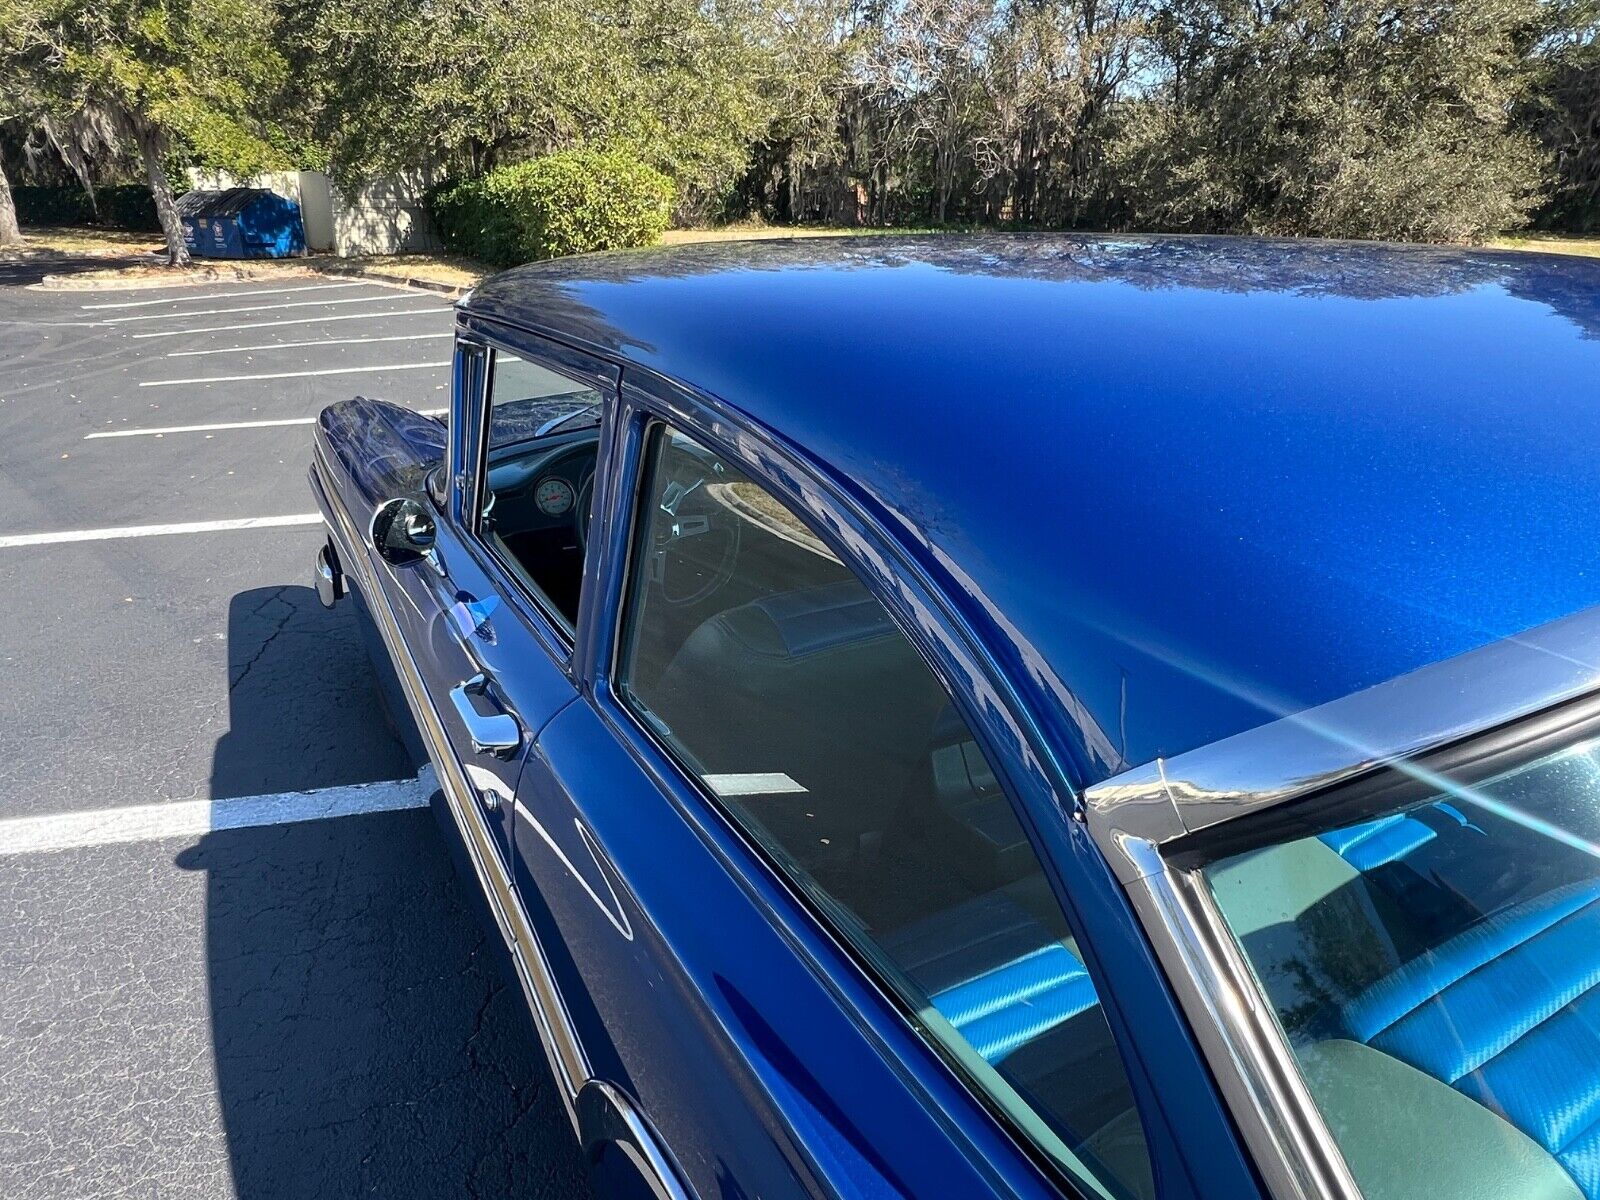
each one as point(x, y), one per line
point(241, 223)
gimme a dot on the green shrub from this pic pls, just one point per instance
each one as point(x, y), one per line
point(51, 205)
point(128, 206)
point(122, 206)
point(564, 203)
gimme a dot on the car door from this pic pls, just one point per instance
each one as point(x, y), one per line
point(478, 625)
point(716, 837)
point(491, 649)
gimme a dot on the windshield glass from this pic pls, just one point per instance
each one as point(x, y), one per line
point(527, 401)
point(1435, 969)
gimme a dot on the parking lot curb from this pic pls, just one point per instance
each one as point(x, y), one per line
point(204, 275)
point(453, 290)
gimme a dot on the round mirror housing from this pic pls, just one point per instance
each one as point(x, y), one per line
point(402, 531)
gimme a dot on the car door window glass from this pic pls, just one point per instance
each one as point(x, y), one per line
point(543, 438)
point(783, 685)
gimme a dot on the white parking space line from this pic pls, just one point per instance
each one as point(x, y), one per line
point(12, 540)
point(166, 429)
point(244, 308)
point(370, 316)
point(193, 818)
point(314, 287)
point(295, 374)
point(357, 341)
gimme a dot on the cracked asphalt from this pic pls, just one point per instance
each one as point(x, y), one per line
point(296, 1010)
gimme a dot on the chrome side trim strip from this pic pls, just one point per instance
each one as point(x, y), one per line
point(612, 1119)
point(567, 1061)
point(1432, 706)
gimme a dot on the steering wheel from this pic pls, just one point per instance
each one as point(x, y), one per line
point(687, 513)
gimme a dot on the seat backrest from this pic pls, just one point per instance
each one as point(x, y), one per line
point(756, 688)
point(1373, 844)
point(1508, 1013)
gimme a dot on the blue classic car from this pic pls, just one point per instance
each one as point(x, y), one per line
point(1021, 716)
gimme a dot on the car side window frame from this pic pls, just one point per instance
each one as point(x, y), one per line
point(491, 337)
point(449, 484)
point(948, 653)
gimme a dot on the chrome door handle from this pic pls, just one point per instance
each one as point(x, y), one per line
point(499, 734)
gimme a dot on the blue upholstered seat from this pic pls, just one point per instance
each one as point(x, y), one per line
point(996, 972)
point(1372, 844)
point(1508, 1013)
point(1003, 971)
point(1009, 1005)
point(1368, 845)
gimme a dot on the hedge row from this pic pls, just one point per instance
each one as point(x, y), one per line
point(122, 206)
point(563, 203)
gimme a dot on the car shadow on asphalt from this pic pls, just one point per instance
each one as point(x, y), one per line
point(365, 1039)
point(302, 709)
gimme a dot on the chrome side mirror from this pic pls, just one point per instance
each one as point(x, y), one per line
point(402, 531)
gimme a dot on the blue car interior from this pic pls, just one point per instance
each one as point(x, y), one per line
point(1506, 1013)
point(1005, 973)
point(544, 539)
point(1374, 843)
point(1425, 956)
point(1002, 1008)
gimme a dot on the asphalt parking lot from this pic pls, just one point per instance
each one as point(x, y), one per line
point(203, 994)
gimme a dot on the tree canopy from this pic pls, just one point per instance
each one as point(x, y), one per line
point(1445, 120)
point(150, 78)
point(474, 85)
point(1364, 118)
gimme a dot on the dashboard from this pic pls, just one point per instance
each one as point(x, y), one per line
point(539, 488)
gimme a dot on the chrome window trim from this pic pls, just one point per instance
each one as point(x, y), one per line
point(558, 634)
point(469, 379)
point(568, 1063)
point(1254, 1066)
point(1136, 817)
point(1277, 762)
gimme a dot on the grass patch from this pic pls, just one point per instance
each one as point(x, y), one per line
point(1551, 243)
point(453, 270)
point(87, 239)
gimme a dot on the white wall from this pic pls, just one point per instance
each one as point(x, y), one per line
point(386, 216)
point(316, 209)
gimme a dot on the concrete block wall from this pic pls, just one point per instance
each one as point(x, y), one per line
point(385, 216)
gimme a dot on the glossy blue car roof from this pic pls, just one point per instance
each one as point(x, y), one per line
point(1198, 482)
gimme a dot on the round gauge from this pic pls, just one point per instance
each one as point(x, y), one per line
point(553, 496)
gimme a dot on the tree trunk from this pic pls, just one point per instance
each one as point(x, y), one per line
point(149, 140)
point(10, 234)
point(944, 179)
